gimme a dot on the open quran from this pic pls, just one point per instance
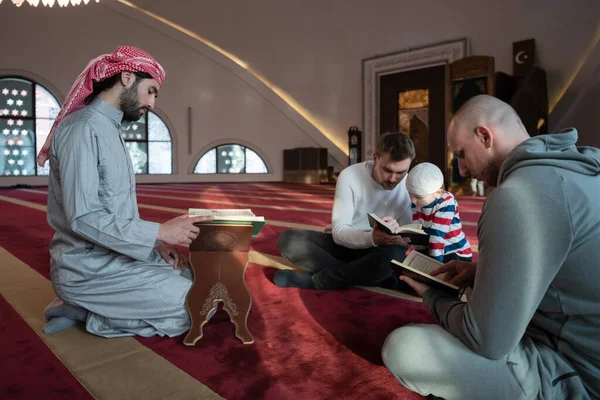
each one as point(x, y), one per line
point(418, 266)
point(414, 232)
point(233, 216)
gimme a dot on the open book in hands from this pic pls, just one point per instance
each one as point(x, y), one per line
point(230, 217)
point(418, 267)
point(415, 232)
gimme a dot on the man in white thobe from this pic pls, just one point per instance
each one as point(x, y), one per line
point(109, 268)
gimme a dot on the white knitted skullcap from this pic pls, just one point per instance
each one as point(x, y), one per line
point(424, 179)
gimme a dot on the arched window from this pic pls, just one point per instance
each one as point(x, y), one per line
point(149, 143)
point(27, 112)
point(26, 120)
point(230, 159)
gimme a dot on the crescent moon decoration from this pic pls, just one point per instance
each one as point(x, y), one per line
point(518, 58)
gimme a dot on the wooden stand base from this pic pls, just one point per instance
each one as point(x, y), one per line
point(219, 256)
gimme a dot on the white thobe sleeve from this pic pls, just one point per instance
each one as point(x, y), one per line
point(78, 157)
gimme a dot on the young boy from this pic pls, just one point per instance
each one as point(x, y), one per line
point(437, 210)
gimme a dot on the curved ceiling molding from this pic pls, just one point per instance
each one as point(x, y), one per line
point(340, 145)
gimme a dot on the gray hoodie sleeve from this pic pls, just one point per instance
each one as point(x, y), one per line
point(524, 236)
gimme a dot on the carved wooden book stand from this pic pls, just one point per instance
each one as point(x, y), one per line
point(219, 256)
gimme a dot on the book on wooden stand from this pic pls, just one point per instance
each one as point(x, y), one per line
point(242, 216)
point(219, 256)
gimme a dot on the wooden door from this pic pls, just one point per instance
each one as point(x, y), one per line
point(414, 102)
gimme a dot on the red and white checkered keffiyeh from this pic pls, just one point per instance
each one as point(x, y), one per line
point(124, 58)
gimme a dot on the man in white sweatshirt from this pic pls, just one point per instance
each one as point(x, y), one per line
point(353, 253)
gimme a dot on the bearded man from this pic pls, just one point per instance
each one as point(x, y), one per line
point(353, 253)
point(109, 268)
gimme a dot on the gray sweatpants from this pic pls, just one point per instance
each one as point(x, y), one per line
point(428, 360)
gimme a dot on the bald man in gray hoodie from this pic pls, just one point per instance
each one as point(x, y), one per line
point(531, 327)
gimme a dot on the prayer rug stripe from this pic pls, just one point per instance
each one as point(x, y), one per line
point(29, 368)
point(41, 197)
point(219, 193)
point(295, 194)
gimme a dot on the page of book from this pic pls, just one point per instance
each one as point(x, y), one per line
point(218, 213)
point(421, 262)
point(421, 276)
point(233, 216)
point(374, 218)
point(415, 228)
point(409, 228)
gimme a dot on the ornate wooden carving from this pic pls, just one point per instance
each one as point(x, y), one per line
point(219, 256)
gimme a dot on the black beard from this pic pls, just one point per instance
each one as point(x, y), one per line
point(129, 104)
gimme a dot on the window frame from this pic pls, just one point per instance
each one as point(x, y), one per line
point(147, 141)
point(33, 117)
point(216, 147)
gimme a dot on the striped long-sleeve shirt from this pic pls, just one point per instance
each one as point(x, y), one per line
point(441, 221)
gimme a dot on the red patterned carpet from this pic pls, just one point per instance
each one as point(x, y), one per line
point(308, 344)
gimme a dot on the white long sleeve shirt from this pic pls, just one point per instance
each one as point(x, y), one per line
point(356, 195)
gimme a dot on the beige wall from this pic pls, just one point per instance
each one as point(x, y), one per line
point(580, 106)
